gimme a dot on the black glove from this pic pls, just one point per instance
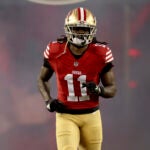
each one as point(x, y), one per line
point(92, 88)
point(54, 105)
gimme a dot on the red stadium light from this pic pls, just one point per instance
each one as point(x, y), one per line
point(132, 84)
point(133, 52)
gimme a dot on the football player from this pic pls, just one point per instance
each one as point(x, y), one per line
point(83, 69)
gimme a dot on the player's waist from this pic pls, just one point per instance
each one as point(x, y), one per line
point(79, 111)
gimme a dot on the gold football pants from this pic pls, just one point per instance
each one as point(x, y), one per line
point(79, 132)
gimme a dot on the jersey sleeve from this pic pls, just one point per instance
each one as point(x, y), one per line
point(104, 52)
point(107, 67)
point(47, 58)
point(46, 63)
point(47, 52)
point(108, 59)
point(108, 56)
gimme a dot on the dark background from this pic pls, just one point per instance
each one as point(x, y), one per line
point(25, 30)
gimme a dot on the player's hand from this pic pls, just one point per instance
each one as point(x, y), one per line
point(92, 88)
point(54, 105)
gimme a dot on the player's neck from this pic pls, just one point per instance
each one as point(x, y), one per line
point(77, 51)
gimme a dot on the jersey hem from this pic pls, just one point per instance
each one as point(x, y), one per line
point(78, 111)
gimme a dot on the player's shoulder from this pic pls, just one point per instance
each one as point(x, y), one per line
point(54, 45)
point(103, 51)
point(100, 48)
point(60, 42)
point(53, 49)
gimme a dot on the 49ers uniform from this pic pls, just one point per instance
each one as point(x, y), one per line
point(72, 72)
point(78, 123)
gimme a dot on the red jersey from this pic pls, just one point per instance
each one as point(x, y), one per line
point(72, 72)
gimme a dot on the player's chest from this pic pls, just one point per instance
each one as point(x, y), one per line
point(85, 65)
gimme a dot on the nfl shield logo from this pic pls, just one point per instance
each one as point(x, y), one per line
point(76, 63)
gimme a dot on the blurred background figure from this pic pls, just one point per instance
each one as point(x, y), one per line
point(25, 30)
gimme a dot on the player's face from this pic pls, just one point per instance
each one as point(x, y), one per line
point(80, 30)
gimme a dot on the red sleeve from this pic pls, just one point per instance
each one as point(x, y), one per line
point(47, 52)
point(108, 56)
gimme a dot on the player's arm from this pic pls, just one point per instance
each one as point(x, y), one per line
point(45, 74)
point(44, 88)
point(109, 86)
point(43, 85)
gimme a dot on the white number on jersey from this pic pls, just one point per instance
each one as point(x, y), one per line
point(72, 96)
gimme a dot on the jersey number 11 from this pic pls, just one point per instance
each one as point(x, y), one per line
point(72, 96)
